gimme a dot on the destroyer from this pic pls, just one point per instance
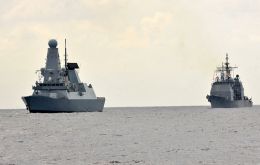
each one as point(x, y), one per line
point(227, 91)
point(60, 89)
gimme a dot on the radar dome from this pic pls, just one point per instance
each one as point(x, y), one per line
point(53, 43)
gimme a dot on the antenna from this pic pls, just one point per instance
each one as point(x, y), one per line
point(65, 54)
point(227, 63)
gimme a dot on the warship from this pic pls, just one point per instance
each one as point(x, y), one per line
point(60, 89)
point(227, 91)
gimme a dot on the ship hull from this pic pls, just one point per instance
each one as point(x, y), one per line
point(219, 102)
point(52, 105)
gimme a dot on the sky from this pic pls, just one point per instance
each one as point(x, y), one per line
point(133, 52)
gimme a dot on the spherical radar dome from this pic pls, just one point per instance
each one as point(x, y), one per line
point(53, 43)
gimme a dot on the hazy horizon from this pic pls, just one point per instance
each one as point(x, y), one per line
point(134, 53)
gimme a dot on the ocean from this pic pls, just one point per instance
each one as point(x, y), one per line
point(195, 135)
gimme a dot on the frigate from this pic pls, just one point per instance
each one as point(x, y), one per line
point(60, 89)
point(227, 91)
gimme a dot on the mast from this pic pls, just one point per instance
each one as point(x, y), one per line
point(225, 70)
point(227, 66)
point(222, 72)
point(65, 54)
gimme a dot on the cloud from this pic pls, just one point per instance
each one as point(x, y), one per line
point(44, 11)
point(146, 32)
point(156, 23)
point(131, 39)
point(27, 9)
point(99, 3)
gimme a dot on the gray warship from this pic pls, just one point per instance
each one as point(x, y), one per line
point(60, 89)
point(227, 91)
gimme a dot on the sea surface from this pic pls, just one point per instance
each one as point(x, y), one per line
point(132, 136)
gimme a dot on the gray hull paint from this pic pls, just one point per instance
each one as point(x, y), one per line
point(48, 105)
point(219, 102)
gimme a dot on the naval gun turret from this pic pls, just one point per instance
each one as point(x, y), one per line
point(60, 89)
point(227, 91)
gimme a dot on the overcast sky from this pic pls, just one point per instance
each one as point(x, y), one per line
point(133, 52)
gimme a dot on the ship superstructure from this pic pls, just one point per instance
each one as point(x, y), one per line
point(227, 91)
point(60, 89)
